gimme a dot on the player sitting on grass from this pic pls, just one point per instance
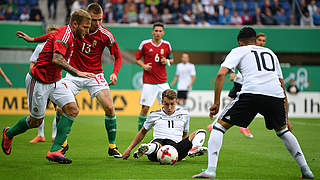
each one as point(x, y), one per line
point(171, 127)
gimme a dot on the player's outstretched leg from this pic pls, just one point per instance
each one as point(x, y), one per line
point(146, 149)
point(197, 142)
point(141, 119)
point(111, 127)
point(8, 133)
point(292, 144)
point(206, 174)
point(246, 132)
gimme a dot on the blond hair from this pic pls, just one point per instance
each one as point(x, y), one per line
point(79, 16)
point(170, 94)
point(261, 35)
point(52, 28)
point(94, 8)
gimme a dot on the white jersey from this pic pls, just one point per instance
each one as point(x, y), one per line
point(238, 78)
point(185, 73)
point(260, 69)
point(36, 52)
point(168, 127)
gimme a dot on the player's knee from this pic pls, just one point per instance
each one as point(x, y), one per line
point(282, 131)
point(109, 109)
point(71, 109)
point(59, 110)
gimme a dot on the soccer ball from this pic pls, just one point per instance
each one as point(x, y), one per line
point(167, 155)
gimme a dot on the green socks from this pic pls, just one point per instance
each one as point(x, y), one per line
point(20, 127)
point(111, 127)
point(63, 130)
point(142, 119)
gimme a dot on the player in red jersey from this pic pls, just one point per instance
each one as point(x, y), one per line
point(42, 82)
point(156, 54)
point(87, 57)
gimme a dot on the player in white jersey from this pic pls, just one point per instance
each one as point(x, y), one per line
point(33, 59)
point(262, 92)
point(171, 127)
point(186, 75)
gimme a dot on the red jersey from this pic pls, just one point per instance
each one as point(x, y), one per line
point(87, 56)
point(153, 53)
point(61, 40)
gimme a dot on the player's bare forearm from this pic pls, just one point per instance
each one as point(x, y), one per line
point(286, 103)
point(59, 60)
point(192, 80)
point(223, 71)
point(140, 63)
point(174, 80)
point(139, 137)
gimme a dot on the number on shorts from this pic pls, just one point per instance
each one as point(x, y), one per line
point(100, 79)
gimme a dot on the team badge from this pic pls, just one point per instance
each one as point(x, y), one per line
point(150, 50)
point(179, 116)
point(35, 109)
point(162, 51)
point(94, 43)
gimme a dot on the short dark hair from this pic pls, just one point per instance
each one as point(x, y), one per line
point(95, 8)
point(170, 94)
point(246, 35)
point(158, 24)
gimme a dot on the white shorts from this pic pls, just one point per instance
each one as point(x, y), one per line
point(38, 94)
point(94, 85)
point(149, 92)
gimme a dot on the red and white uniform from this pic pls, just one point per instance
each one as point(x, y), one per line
point(153, 53)
point(155, 80)
point(42, 83)
point(86, 57)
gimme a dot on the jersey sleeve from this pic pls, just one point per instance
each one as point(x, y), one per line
point(139, 53)
point(278, 67)
point(36, 52)
point(62, 41)
point(178, 70)
point(42, 38)
point(115, 51)
point(149, 123)
point(233, 58)
point(193, 71)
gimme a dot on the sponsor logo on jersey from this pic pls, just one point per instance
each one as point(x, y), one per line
point(162, 51)
point(150, 50)
point(35, 109)
point(179, 116)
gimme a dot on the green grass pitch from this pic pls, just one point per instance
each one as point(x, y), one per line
point(263, 157)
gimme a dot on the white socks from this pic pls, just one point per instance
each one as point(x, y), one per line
point(291, 143)
point(54, 126)
point(214, 145)
point(199, 138)
point(152, 148)
point(41, 129)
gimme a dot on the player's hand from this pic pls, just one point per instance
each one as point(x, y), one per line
point(214, 109)
point(189, 86)
point(289, 125)
point(147, 67)
point(126, 154)
point(85, 74)
point(113, 78)
point(164, 60)
point(24, 36)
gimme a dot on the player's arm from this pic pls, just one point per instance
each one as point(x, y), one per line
point(139, 137)
point(59, 60)
point(5, 77)
point(286, 104)
point(146, 67)
point(115, 51)
point(214, 109)
point(193, 78)
point(232, 76)
point(30, 39)
point(174, 80)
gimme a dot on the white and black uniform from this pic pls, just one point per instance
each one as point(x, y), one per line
point(237, 85)
point(185, 72)
point(169, 129)
point(261, 91)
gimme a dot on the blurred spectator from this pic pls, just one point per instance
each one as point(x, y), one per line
point(150, 2)
point(280, 17)
point(188, 17)
point(54, 3)
point(130, 10)
point(292, 20)
point(306, 20)
point(256, 19)
point(155, 16)
point(225, 18)
point(246, 19)
point(186, 5)
point(175, 11)
point(36, 14)
point(220, 7)
point(197, 10)
point(316, 17)
point(164, 4)
point(107, 4)
point(9, 15)
point(78, 4)
point(109, 16)
point(312, 7)
point(265, 6)
point(276, 6)
point(25, 15)
point(292, 88)
point(235, 19)
point(118, 10)
point(68, 4)
point(166, 17)
point(203, 23)
point(11, 10)
point(267, 18)
point(145, 16)
point(2, 11)
point(303, 6)
point(210, 13)
point(140, 5)
point(100, 2)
